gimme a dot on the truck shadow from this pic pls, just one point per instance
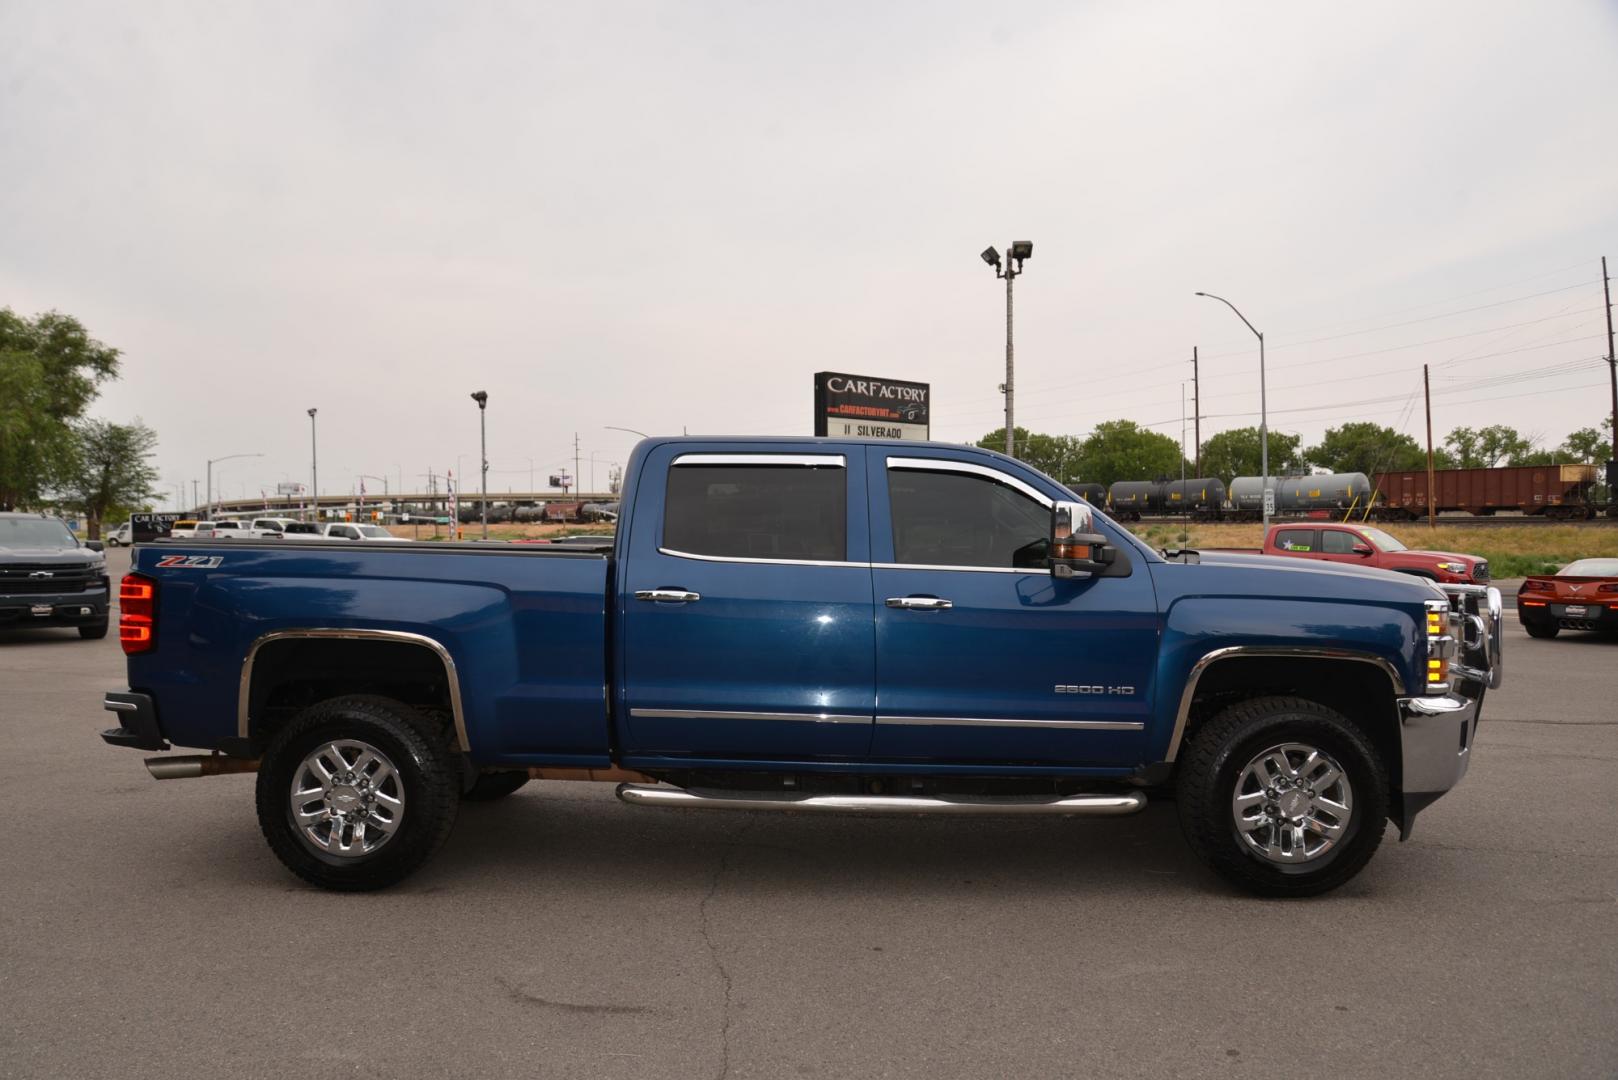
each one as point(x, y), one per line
point(591, 838)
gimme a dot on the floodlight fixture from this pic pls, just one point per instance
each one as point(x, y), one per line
point(1022, 249)
point(482, 398)
point(992, 257)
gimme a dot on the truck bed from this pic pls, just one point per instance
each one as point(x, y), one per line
point(525, 625)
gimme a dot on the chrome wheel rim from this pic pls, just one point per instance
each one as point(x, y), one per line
point(1292, 804)
point(346, 799)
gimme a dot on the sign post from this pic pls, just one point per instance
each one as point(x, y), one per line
point(863, 407)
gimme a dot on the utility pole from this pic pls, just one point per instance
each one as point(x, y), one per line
point(195, 505)
point(575, 463)
point(1612, 368)
point(1427, 392)
point(482, 399)
point(1196, 409)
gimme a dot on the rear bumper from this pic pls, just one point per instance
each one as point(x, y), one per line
point(1597, 615)
point(137, 721)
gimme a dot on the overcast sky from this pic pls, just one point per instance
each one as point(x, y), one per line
point(670, 216)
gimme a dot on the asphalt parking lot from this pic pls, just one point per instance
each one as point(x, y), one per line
point(148, 931)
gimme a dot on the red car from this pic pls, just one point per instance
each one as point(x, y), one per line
point(1362, 545)
point(1582, 595)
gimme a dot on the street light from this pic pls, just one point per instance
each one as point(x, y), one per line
point(211, 461)
point(1015, 254)
point(1263, 412)
point(631, 430)
point(483, 442)
point(314, 466)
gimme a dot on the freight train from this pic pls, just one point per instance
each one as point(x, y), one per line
point(1561, 492)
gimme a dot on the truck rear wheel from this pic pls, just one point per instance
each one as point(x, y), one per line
point(357, 792)
point(1282, 796)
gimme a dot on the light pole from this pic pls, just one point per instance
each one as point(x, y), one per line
point(314, 466)
point(1263, 412)
point(631, 430)
point(211, 461)
point(1015, 254)
point(483, 444)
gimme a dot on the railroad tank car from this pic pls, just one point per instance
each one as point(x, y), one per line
point(1094, 494)
point(1203, 497)
point(1332, 491)
point(1552, 491)
point(1129, 499)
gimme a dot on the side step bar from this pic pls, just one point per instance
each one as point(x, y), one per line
point(1085, 805)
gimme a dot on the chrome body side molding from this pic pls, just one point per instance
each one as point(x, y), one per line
point(1300, 652)
point(243, 702)
point(1010, 722)
point(727, 714)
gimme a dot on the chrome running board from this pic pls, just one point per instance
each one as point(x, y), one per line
point(1071, 805)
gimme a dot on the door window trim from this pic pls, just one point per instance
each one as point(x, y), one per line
point(946, 465)
point(811, 461)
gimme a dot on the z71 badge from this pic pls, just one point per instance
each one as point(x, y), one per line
point(201, 562)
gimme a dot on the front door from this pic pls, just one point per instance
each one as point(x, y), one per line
point(745, 607)
point(982, 655)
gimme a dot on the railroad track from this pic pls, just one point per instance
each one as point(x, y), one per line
point(1465, 521)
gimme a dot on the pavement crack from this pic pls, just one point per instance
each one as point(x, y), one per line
point(706, 926)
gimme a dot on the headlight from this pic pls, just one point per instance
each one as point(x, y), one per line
point(1453, 567)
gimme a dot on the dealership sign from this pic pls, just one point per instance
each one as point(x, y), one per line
point(862, 407)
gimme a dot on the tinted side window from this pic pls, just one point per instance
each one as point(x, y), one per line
point(957, 519)
point(1333, 542)
point(758, 511)
point(1295, 539)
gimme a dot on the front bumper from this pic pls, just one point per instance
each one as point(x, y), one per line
point(54, 609)
point(1436, 731)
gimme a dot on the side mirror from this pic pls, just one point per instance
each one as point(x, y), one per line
point(1363, 550)
point(1076, 549)
point(95, 545)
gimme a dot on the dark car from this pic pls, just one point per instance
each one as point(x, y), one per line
point(49, 578)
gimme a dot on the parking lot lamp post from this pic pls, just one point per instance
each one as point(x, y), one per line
point(1015, 254)
point(1263, 410)
point(211, 462)
point(314, 466)
point(483, 452)
point(631, 430)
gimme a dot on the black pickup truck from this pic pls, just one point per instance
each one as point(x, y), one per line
point(49, 578)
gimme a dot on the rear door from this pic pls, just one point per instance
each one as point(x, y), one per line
point(745, 607)
point(1298, 543)
point(983, 656)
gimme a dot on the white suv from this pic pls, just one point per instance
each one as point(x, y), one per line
point(270, 528)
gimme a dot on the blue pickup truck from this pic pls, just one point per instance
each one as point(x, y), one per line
point(816, 626)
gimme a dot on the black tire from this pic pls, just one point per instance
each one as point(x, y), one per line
point(490, 786)
point(94, 631)
point(427, 771)
point(1210, 771)
point(1542, 630)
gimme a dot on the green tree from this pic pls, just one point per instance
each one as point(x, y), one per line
point(1589, 445)
point(1499, 444)
point(1054, 455)
point(1463, 445)
point(1368, 448)
point(1122, 450)
point(1237, 452)
point(108, 468)
point(50, 371)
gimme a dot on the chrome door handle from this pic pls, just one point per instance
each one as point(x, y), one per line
point(667, 596)
point(920, 603)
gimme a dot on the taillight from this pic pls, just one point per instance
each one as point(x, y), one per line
point(1535, 586)
point(137, 611)
point(1613, 588)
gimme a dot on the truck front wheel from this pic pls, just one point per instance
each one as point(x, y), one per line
point(357, 792)
point(1282, 796)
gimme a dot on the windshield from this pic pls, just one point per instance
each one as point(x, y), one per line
point(35, 533)
point(1382, 540)
point(1590, 568)
point(373, 530)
